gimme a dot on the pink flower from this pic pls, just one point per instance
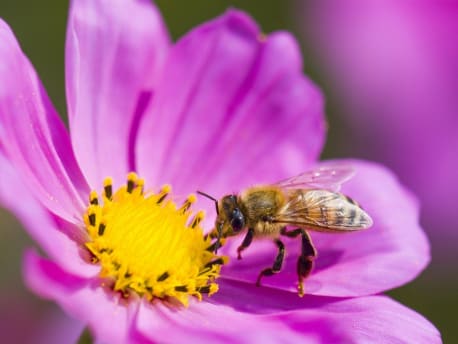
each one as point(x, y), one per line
point(393, 66)
point(223, 108)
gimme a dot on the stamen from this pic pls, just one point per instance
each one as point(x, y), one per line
point(140, 185)
point(93, 198)
point(209, 289)
point(101, 230)
point(165, 190)
point(197, 219)
point(131, 179)
point(92, 219)
point(163, 277)
point(108, 187)
point(187, 204)
point(219, 261)
point(146, 246)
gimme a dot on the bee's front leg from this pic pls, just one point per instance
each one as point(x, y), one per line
point(217, 243)
point(246, 242)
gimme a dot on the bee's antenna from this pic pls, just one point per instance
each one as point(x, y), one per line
point(210, 197)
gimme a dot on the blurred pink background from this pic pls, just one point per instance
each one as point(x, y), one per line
point(392, 68)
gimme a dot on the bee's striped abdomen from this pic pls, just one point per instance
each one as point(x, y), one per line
point(327, 210)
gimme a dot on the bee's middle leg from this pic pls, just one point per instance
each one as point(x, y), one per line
point(276, 267)
point(245, 243)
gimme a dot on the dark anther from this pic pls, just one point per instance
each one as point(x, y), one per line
point(204, 290)
point(159, 201)
point(128, 275)
point(186, 207)
point(102, 227)
point(195, 222)
point(130, 186)
point(181, 288)
point(94, 201)
point(92, 219)
point(163, 277)
point(108, 191)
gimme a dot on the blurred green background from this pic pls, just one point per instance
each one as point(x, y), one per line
point(40, 28)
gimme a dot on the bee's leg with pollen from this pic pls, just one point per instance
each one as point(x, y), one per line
point(276, 267)
point(245, 243)
point(305, 261)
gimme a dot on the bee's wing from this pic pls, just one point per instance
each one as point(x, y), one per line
point(328, 176)
point(323, 211)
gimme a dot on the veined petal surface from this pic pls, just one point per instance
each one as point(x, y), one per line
point(113, 61)
point(233, 100)
point(34, 138)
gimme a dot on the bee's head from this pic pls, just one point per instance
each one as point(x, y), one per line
point(230, 217)
point(229, 220)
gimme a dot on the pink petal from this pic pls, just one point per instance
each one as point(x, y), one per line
point(114, 53)
point(391, 253)
point(239, 312)
point(83, 299)
point(209, 323)
point(54, 236)
point(233, 108)
point(374, 319)
point(244, 313)
point(33, 137)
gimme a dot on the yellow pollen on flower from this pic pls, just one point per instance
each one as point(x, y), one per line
point(146, 244)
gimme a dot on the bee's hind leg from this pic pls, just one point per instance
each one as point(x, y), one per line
point(276, 267)
point(305, 261)
point(245, 243)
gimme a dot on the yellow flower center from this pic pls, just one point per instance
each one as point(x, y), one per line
point(147, 245)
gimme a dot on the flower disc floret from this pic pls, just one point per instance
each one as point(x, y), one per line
point(147, 245)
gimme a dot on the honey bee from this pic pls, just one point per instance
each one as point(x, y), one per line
point(308, 201)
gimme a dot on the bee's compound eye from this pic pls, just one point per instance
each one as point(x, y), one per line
point(237, 220)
